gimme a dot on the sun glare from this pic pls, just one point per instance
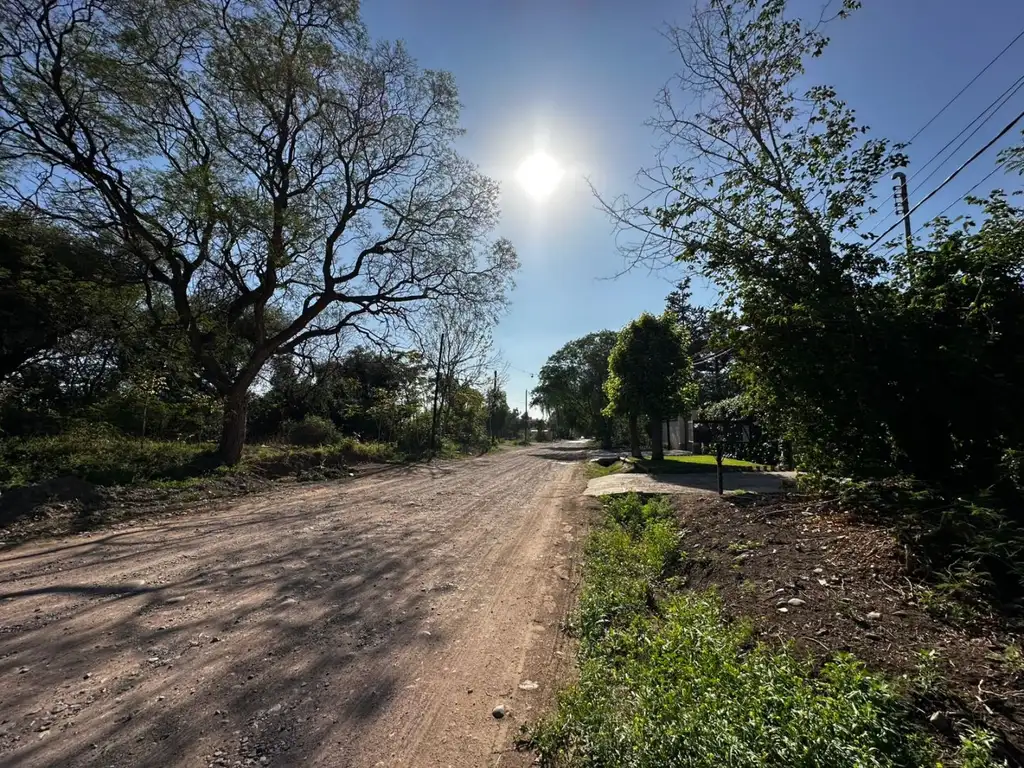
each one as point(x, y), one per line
point(539, 175)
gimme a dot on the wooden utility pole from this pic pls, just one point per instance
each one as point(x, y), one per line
point(903, 206)
point(437, 389)
point(494, 403)
point(526, 416)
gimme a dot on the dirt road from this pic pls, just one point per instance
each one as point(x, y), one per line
point(375, 622)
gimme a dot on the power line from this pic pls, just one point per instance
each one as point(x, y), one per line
point(999, 103)
point(953, 175)
point(917, 231)
point(964, 89)
point(988, 176)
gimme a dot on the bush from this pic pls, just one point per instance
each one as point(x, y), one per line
point(312, 430)
point(101, 455)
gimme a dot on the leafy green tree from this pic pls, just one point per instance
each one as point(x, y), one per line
point(56, 290)
point(363, 392)
point(273, 175)
point(776, 181)
point(466, 422)
point(571, 387)
point(649, 374)
point(499, 414)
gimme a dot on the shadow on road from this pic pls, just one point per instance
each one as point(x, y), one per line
point(252, 627)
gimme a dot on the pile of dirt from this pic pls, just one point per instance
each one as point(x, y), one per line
point(34, 501)
point(805, 573)
point(304, 466)
point(69, 505)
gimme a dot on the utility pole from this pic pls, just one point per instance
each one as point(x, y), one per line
point(437, 389)
point(903, 206)
point(526, 417)
point(494, 403)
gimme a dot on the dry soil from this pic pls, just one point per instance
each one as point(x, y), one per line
point(374, 622)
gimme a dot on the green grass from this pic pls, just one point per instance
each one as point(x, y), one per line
point(103, 456)
point(666, 680)
point(596, 470)
point(681, 465)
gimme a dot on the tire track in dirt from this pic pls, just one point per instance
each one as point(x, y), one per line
point(373, 622)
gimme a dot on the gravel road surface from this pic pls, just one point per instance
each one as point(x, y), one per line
point(375, 622)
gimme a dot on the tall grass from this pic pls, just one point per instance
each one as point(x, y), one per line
point(104, 456)
point(100, 455)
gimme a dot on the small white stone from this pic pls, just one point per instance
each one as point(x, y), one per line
point(874, 616)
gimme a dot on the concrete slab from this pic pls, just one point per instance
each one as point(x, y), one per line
point(625, 482)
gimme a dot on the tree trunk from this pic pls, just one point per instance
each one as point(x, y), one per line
point(232, 436)
point(634, 437)
point(657, 445)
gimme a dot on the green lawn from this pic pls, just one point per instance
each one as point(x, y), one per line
point(681, 465)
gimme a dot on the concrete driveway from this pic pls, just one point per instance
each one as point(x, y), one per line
point(624, 482)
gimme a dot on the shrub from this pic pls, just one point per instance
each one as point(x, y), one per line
point(101, 455)
point(312, 430)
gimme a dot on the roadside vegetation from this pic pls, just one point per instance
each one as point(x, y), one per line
point(887, 372)
point(197, 302)
point(593, 470)
point(668, 677)
point(695, 464)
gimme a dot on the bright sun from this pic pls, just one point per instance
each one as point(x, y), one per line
point(539, 175)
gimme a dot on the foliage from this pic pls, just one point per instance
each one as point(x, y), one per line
point(100, 455)
point(56, 289)
point(272, 175)
point(649, 373)
point(696, 321)
point(103, 456)
point(312, 430)
point(977, 750)
point(571, 387)
point(665, 679)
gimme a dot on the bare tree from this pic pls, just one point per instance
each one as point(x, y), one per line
point(276, 176)
point(457, 344)
point(756, 169)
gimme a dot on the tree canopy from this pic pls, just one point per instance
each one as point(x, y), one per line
point(649, 373)
point(571, 386)
point(274, 176)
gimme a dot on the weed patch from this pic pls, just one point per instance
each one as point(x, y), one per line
point(665, 679)
point(593, 469)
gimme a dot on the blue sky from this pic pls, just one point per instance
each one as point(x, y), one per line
point(578, 78)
